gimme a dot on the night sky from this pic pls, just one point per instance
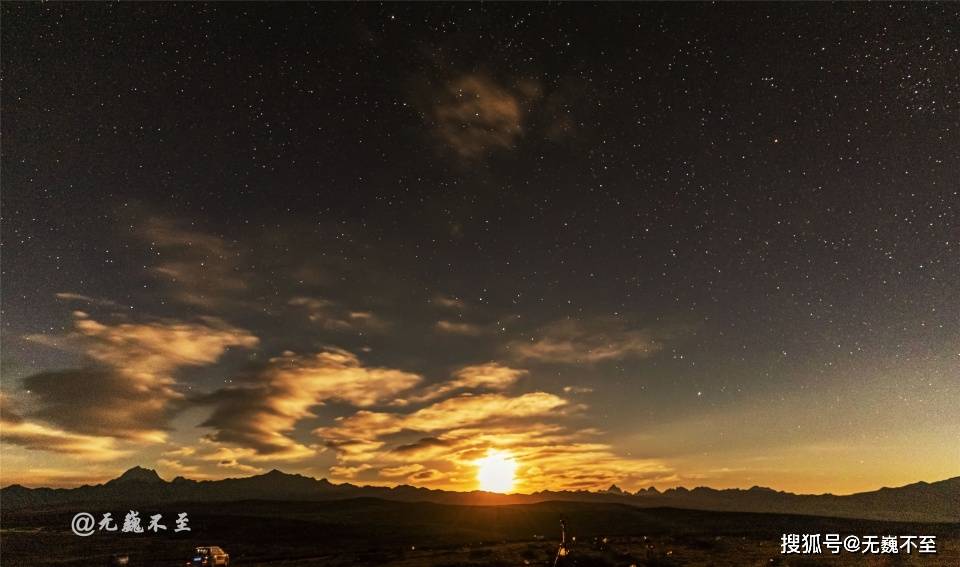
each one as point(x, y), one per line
point(651, 244)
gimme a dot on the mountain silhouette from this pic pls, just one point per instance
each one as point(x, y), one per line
point(139, 474)
point(921, 501)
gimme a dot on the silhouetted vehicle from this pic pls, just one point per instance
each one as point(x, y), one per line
point(209, 556)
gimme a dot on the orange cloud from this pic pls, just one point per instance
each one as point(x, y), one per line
point(489, 376)
point(365, 428)
point(347, 472)
point(40, 437)
point(261, 414)
point(459, 328)
point(438, 445)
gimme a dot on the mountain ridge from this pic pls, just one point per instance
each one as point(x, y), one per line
point(937, 501)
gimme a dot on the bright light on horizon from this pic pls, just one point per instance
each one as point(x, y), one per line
point(495, 472)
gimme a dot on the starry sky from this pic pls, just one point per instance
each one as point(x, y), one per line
point(650, 245)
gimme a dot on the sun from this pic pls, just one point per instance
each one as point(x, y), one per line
point(495, 472)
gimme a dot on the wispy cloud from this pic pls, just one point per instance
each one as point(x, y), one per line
point(459, 328)
point(200, 269)
point(333, 316)
point(573, 341)
point(69, 296)
point(449, 302)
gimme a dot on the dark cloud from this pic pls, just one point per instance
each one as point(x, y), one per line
point(429, 475)
point(424, 443)
point(99, 401)
point(129, 391)
point(17, 430)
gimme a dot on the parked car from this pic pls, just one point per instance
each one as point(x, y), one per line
point(209, 556)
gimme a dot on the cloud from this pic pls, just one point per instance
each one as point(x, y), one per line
point(424, 445)
point(237, 466)
point(148, 352)
point(402, 470)
point(457, 412)
point(261, 414)
point(585, 465)
point(572, 341)
point(103, 402)
point(7, 411)
point(454, 433)
point(180, 452)
point(449, 302)
point(67, 296)
point(177, 468)
point(334, 317)
point(34, 476)
point(473, 116)
point(227, 457)
point(489, 376)
point(362, 437)
point(342, 472)
point(438, 444)
point(427, 476)
point(203, 270)
point(194, 462)
point(18, 431)
point(127, 390)
point(455, 328)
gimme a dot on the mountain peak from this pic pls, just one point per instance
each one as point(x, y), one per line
point(140, 474)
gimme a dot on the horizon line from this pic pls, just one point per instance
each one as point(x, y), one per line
point(390, 487)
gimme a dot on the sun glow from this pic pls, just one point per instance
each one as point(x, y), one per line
point(495, 472)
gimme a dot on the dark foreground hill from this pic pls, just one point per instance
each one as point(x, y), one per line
point(919, 502)
point(371, 531)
